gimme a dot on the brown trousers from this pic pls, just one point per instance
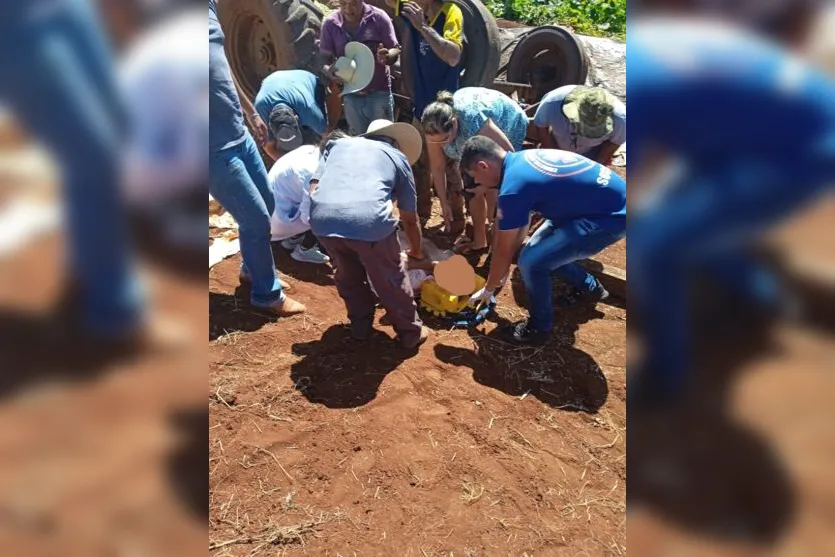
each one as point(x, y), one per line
point(423, 184)
point(355, 262)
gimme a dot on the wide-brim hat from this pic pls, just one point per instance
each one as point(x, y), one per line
point(589, 110)
point(406, 136)
point(356, 68)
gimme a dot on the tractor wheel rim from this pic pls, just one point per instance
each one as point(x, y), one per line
point(254, 52)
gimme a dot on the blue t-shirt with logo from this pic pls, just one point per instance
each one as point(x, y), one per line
point(296, 89)
point(562, 187)
point(709, 92)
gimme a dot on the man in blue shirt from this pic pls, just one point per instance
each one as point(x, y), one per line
point(292, 103)
point(762, 149)
point(238, 178)
point(584, 206)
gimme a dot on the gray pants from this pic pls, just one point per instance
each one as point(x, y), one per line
point(356, 261)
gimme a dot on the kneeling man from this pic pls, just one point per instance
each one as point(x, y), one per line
point(584, 206)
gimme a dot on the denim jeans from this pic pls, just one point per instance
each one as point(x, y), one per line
point(361, 110)
point(702, 224)
point(555, 249)
point(56, 77)
point(238, 180)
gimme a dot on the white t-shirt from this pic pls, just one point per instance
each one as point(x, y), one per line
point(550, 113)
point(165, 82)
point(289, 180)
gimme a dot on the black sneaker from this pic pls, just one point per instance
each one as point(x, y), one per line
point(525, 334)
point(576, 296)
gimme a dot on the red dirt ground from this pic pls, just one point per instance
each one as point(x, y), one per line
point(320, 445)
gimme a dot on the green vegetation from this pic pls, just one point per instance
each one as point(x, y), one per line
point(602, 18)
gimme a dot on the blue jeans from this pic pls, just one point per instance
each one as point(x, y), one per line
point(238, 180)
point(701, 224)
point(56, 76)
point(555, 249)
point(361, 110)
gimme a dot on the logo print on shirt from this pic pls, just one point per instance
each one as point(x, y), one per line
point(424, 47)
point(559, 164)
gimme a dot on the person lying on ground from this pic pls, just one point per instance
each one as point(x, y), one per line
point(432, 48)
point(584, 206)
point(585, 120)
point(453, 119)
point(289, 180)
point(238, 178)
point(352, 215)
point(357, 21)
point(295, 105)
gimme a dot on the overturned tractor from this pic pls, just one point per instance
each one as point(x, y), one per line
point(264, 36)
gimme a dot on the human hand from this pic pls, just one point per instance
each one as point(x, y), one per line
point(480, 295)
point(330, 73)
point(414, 14)
point(382, 54)
point(259, 128)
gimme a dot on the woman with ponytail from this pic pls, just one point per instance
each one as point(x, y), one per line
point(453, 119)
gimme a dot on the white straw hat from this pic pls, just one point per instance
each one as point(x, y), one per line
point(406, 136)
point(356, 68)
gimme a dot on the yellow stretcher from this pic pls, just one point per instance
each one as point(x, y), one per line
point(440, 302)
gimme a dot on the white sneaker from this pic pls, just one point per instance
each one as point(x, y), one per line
point(312, 255)
point(291, 243)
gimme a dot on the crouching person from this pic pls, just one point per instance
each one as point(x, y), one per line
point(584, 206)
point(352, 214)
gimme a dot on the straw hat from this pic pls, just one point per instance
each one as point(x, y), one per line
point(356, 68)
point(406, 136)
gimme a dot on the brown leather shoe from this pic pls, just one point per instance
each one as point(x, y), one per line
point(424, 335)
point(244, 278)
point(288, 307)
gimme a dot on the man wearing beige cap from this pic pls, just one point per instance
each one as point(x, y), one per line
point(589, 121)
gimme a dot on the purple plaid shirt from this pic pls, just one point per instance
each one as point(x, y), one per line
point(375, 28)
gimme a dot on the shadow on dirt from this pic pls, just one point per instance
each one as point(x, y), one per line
point(231, 313)
point(694, 465)
point(558, 374)
point(305, 272)
point(340, 372)
point(37, 348)
point(187, 468)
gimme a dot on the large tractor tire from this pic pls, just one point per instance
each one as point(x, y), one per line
point(548, 57)
point(264, 36)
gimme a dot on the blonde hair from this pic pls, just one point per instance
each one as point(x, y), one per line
point(440, 115)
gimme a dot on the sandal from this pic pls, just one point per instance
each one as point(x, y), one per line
point(465, 247)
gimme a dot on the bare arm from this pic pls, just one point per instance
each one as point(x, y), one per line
point(412, 228)
point(505, 247)
point(445, 49)
point(272, 152)
point(491, 130)
point(259, 128)
point(607, 151)
point(546, 138)
point(437, 168)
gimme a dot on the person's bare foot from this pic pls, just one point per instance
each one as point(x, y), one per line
point(288, 307)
